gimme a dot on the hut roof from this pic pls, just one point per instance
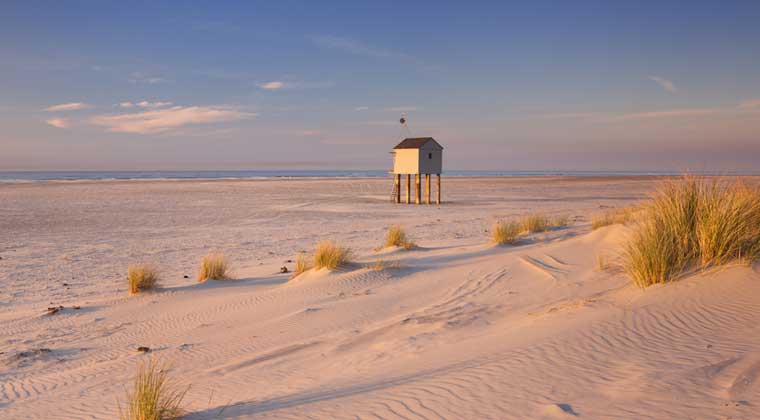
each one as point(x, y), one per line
point(416, 143)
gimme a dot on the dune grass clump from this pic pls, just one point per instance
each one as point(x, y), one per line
point(560, 221)
point(691, 223)
point(397, 237)
point(728, 227)
point(602, 262)
point(536, 223)
point(381, 265)
point(618, 216)
point(141, 277)
point(214, 266)
point(664, 242)
point(153, 396)
point(330, 255)
point(302, 265)
point(506, 232)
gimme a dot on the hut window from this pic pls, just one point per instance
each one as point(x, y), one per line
point(430, 155)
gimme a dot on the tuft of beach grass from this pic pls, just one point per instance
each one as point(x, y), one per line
point(302, 265)
point(506, 232)
point(153, 396)
point(397, 237)
point(619, 216)
point(728, 226)
point(330, 255)
point(561, 221)
point(214, 266)
point(602, 262)
point(381, 265)
point(690, 222)
point(141, 277)
point(536, 223)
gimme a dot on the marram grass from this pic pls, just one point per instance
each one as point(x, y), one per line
point(506, 232)
point(330, 255)
point(153, 396)
point(536, 223)
point(561, 221)
point(397, 237)
point(214, 266)
point(613, 216)
point(302, 265)
point(141, 277)
point(690, 223)
point(728, 227)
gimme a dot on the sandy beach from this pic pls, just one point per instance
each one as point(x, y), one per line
point(456, 328)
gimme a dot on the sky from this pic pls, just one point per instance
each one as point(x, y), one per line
point(582, 85)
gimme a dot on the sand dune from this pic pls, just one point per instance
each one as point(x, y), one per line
point(456, 329)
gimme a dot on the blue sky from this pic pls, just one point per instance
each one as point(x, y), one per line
point(502, 85)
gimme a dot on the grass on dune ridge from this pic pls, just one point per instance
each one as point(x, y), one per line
point(508, 232)
point(397, 237)
point(693, 223)
point(302, 265)
point(330, 255)
point(214, 266)
point(153, 396)
point(141, 277)
point(613, 216)
point(536, 223)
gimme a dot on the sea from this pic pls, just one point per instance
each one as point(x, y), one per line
point(41, 176)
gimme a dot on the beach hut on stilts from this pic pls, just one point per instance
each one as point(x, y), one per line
point(416, 156)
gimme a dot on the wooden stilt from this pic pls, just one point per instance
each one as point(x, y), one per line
point(438, 189)
point(427, 188)
point(417, 188)
point(398, 188)
point(408, 188)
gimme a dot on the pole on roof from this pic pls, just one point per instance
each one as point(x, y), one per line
point(405, 131)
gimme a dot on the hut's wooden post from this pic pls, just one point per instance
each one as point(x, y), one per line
point(417, 188)
point(427, 188)
point(398, 188)
point(438, 189)
point(408, 188)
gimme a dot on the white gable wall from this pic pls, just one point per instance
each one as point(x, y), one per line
point(406, 161)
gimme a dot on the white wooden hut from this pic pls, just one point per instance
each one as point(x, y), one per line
point(417, 156)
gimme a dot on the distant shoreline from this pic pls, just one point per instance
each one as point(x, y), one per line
point(48, 176)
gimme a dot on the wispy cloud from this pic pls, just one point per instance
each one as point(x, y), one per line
point(309, 132)
point(138, 78)
point(273, 85)
point(71, 106)
point(671, 113)
point(358, 48)
point(750, 104)
point(382, 123)
point(294, 84)
point(145, 104)
point(361, 108)
point(632, 116)
point(572, 115)
point(664, 83)
point(352, 46)
point(163, 120)
point(402, 109)
point(57, 122)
